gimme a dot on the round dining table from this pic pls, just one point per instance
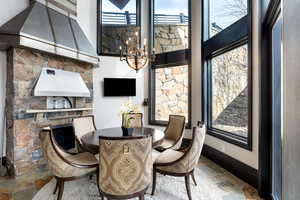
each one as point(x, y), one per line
point(91, 140)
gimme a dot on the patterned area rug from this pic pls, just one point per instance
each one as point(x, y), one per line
point(214, 183)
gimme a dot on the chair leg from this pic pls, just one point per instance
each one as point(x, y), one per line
point(56, 186)
point(193, 177)
point(187, 184)
point(61, 189)
point(154, 181)
point(141, 197)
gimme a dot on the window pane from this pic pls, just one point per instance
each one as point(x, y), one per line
point(171, 30)
point(223, 13)
point(119, 22)
point(230, 91)
point(171, 92)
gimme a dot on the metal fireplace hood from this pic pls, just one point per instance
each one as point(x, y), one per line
point(45, 29)
point(60, 83)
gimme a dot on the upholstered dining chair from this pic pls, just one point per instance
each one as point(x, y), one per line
point(181, 163)
point(173, 133)
point(132, 120)
point(65, 167)
point(125, 167)
point(82, 126)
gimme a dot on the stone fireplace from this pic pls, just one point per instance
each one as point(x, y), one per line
point(23, 149)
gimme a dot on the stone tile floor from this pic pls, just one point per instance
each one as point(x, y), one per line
point(24, 188)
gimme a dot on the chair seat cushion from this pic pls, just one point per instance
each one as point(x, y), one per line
point(83, 159)
point(168, 156)
point(73, 151)
point(167, 143)
point(155, 155)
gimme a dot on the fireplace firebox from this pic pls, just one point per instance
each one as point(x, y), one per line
point(64, 136)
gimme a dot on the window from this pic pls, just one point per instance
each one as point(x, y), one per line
point(170, 72)
point(227, 76)
point(224, 13)
point(172, 92)
point(171, 30)
point(117, 21)
point(230, 91)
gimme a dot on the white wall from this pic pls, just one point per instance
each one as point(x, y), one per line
point(291, 102)
point(11, 8)
point(107, 109)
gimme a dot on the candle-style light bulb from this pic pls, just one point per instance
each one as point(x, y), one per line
point(127, 42)
point(145, 42)
point(130, 39)
point(120, 47)
point(136, 33)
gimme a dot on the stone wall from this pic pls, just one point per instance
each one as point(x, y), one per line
point(230, 93)
point(171, 37)
point(172, 89)
point(167, 37)
point(23, 148)
point(115, 35)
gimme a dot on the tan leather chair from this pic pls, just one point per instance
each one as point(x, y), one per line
point(132, 120)
point(64, 166)
point(82, 126)
point(181, 163)
point(125, 167)
point(173, 133)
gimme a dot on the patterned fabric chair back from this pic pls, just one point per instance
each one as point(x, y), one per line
point(132, 120)
point(83, 125)
point(125, 165)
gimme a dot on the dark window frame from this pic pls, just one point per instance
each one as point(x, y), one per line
point(168, 60)
point(99, 26)
point(232, 37)
point(272, 11)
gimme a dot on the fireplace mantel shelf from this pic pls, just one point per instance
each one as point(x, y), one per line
point(57, 110)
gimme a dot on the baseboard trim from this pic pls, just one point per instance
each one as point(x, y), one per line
point(236, 167)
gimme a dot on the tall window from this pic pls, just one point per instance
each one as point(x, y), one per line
point(227, 70)
point(117, 21)
point(170, 73)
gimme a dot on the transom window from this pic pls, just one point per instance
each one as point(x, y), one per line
point(224, 13)
point(117, 21)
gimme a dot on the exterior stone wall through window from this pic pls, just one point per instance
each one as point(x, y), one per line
point(230, 91)
point(171, 91)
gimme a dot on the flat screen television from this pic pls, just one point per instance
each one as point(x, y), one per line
point(119, 87)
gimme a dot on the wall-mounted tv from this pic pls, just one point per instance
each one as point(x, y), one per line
point(119, 87)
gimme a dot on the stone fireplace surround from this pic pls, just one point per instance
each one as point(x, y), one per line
point(23, 148)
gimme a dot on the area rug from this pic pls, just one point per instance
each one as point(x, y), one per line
point(214, 183)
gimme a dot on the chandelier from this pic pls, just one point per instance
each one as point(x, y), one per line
point(136, 57)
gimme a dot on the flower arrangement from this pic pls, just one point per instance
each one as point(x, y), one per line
point(129, 107)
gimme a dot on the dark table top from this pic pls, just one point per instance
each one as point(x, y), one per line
point(93, 137)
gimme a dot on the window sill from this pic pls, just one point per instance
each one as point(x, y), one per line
point(242, 142)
